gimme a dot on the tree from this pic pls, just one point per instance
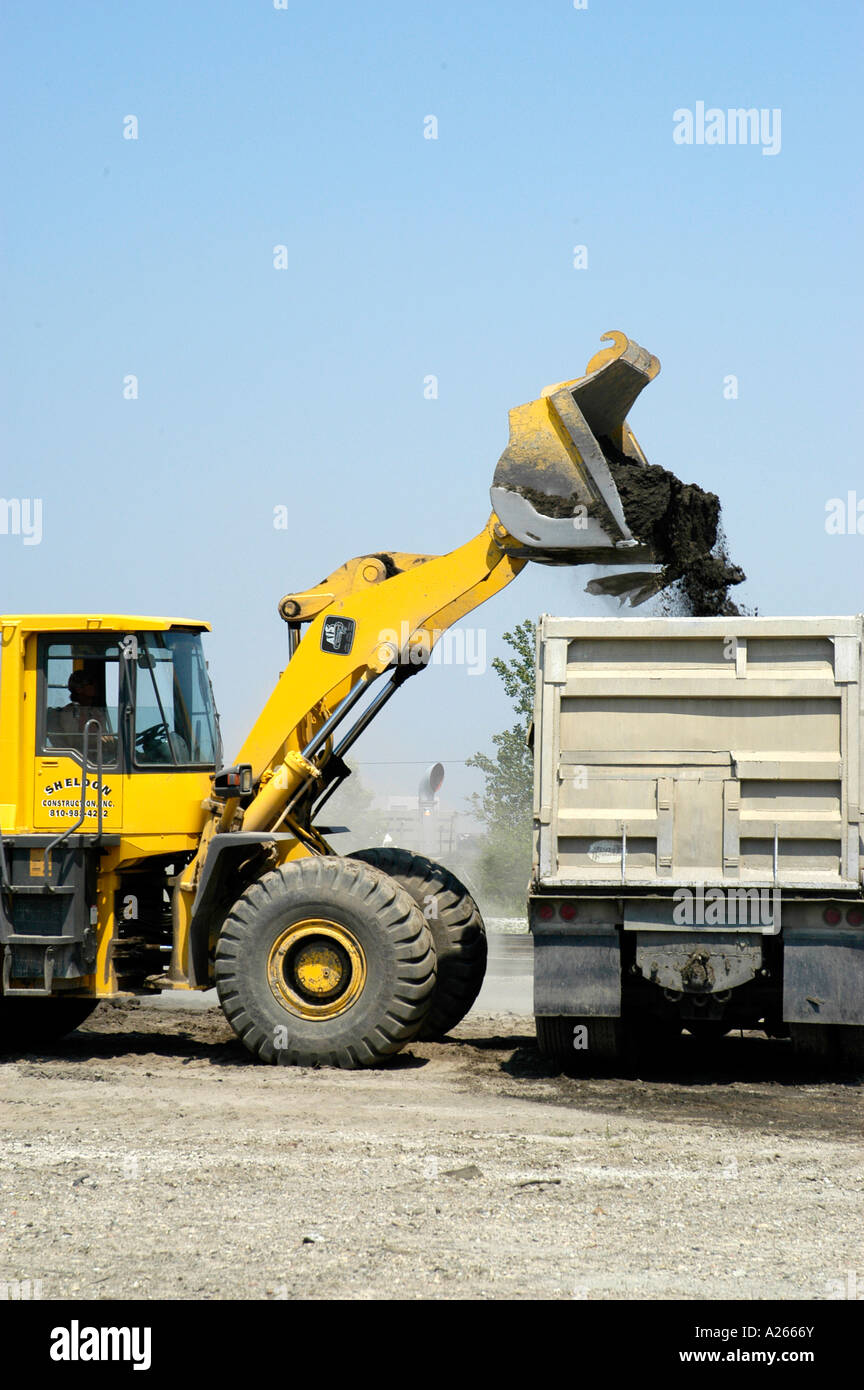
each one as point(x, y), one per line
point(504, 864)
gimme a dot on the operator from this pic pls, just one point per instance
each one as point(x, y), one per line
point(69, 721)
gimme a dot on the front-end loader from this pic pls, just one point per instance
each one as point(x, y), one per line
point(132, 860)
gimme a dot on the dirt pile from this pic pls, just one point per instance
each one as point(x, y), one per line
point(681, 524)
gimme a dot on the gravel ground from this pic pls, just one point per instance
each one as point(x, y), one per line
point(148, 1156)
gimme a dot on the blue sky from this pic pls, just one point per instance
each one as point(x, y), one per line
point(303, 127)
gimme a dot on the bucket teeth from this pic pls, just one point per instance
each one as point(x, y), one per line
point(552, 488)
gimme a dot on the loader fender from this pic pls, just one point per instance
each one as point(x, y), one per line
point(218, 888)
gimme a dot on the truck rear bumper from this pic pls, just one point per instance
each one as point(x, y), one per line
point(590, 951)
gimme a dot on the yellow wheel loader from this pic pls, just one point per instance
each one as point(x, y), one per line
point(132, 860)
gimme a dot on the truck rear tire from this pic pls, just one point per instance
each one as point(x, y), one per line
point(325, 962)
point(564, 1041)
point(832, 1044)
point(31, 1022)
point(456, 926)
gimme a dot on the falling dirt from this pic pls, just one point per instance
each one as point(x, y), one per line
point(681, 524)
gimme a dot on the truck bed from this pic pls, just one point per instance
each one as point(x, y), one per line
point(675, 751)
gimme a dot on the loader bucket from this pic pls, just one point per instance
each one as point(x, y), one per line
point(553, 489)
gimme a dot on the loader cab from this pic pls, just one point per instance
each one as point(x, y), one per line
point(150, 686)
point(109, 740)
point(123, 723)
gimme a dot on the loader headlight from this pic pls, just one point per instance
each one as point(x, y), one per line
point(231, 782)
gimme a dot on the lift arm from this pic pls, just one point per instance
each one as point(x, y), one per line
point(380, 613)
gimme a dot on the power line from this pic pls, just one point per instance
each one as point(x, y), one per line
point(407, 762)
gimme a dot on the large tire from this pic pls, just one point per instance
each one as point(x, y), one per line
point(32, 1022)
point(456, 926)
point(556, 1037)
point(327, 962)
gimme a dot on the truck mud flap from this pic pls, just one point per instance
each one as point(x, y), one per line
point(577, 975)
point(823, 976)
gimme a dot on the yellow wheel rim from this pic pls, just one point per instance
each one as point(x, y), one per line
point(316, 968)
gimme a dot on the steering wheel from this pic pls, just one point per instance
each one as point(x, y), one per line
point(160, 730)
point(155, 744)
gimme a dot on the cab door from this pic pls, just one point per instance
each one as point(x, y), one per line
point(79, 717)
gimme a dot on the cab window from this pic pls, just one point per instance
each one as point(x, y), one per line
point(175, 717)
point(81, 684)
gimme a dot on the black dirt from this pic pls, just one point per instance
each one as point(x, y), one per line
point(549, 503)
point(681, 524)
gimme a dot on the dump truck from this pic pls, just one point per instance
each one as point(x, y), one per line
point(134, 860)
point(698, 833)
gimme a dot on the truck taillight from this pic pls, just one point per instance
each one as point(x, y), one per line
point(832, 915)
point(568, 911)
point(855, 916)
point(546, 912)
